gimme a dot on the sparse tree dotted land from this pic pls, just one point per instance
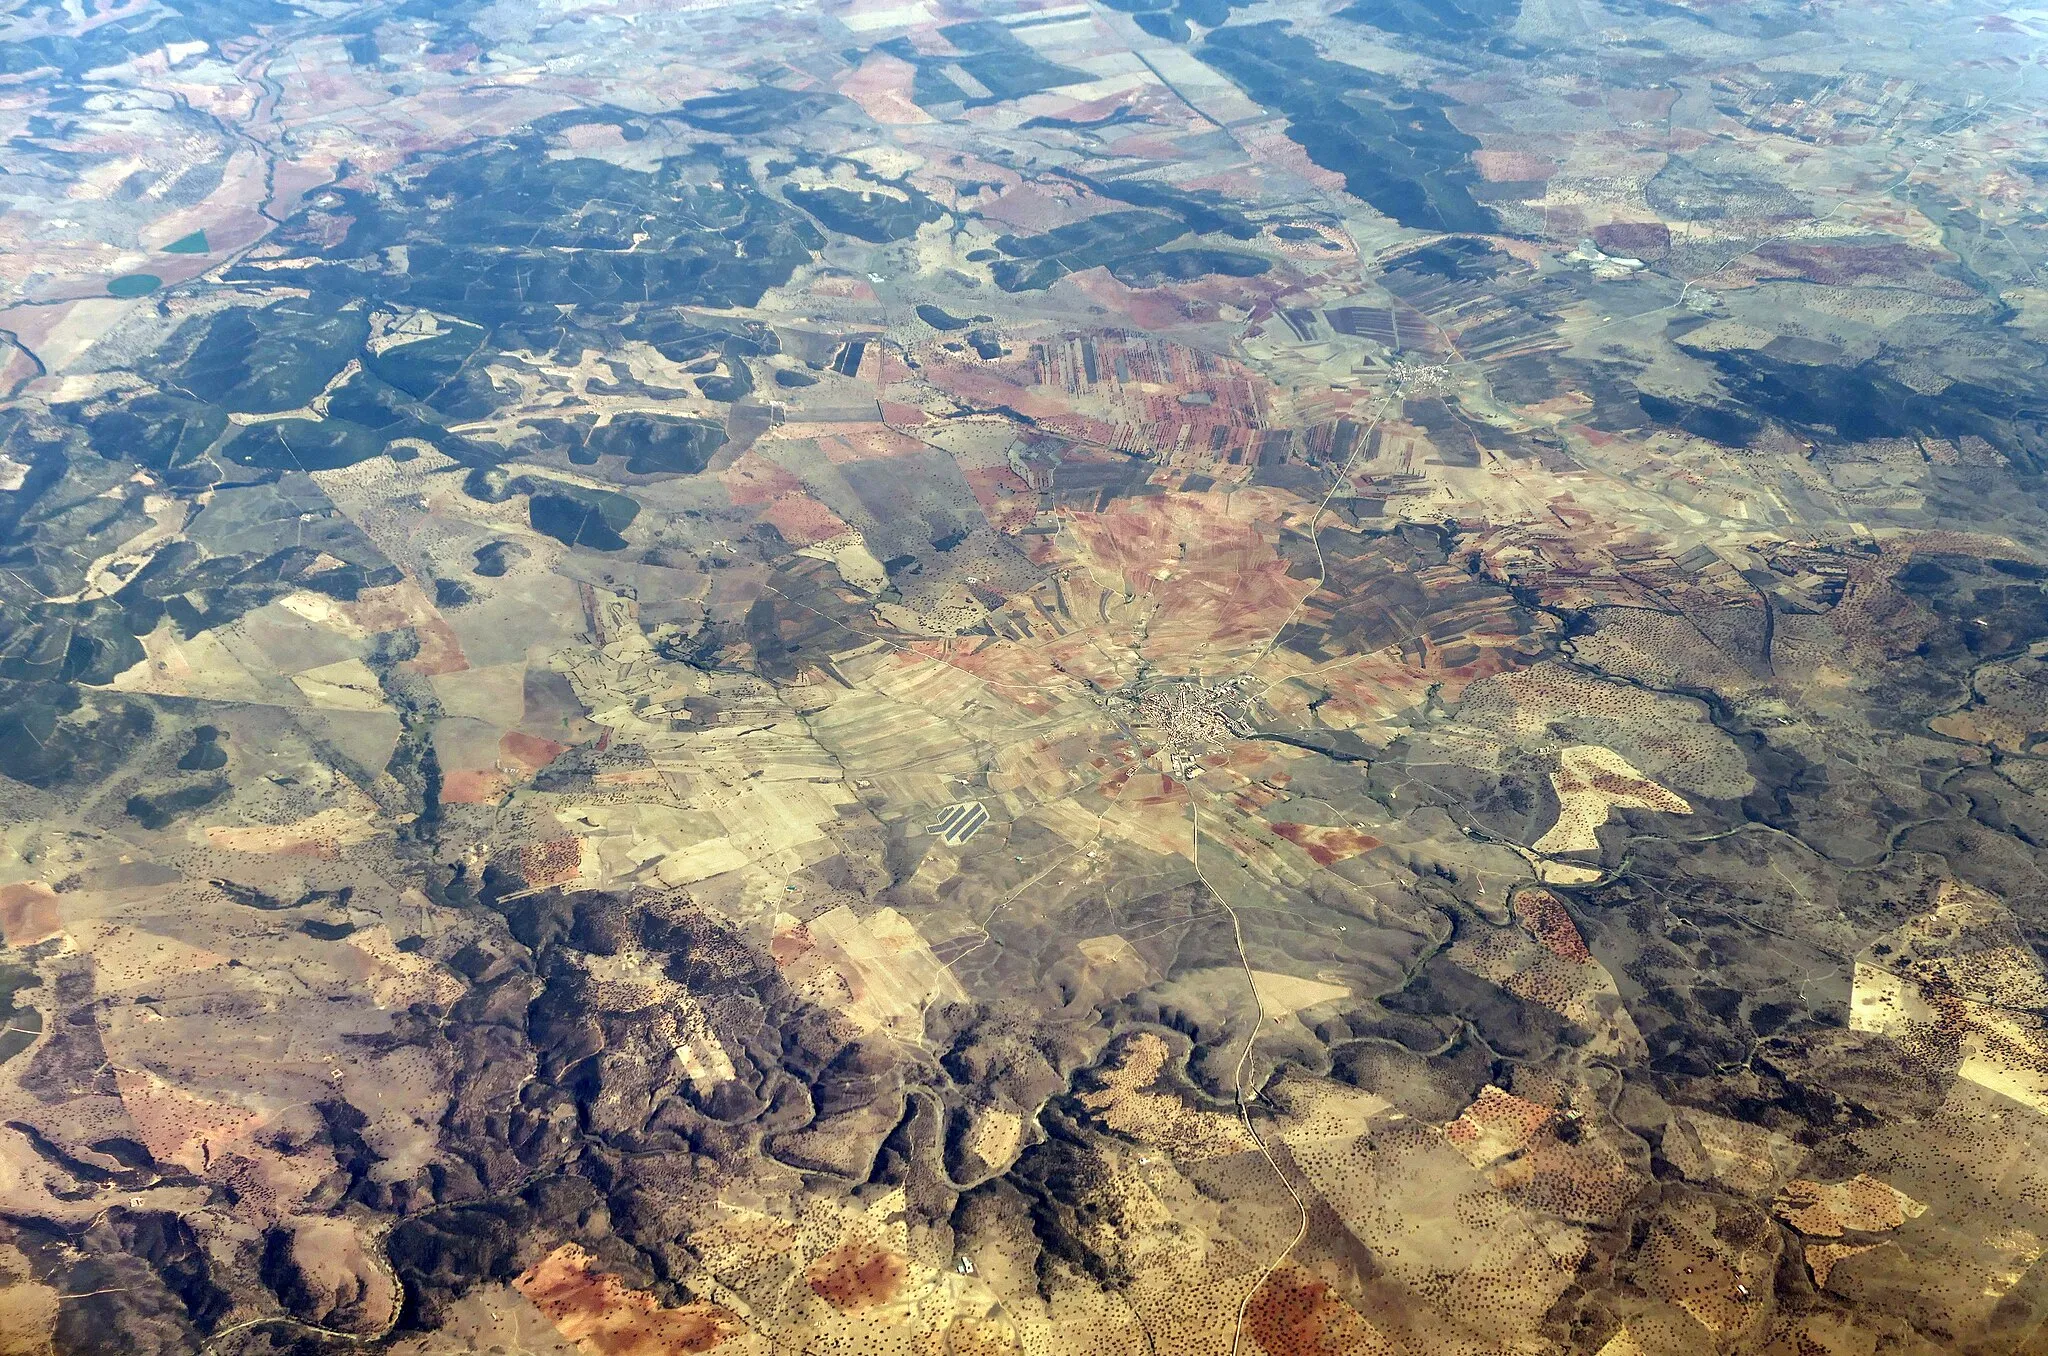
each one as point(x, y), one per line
point(1132, 678)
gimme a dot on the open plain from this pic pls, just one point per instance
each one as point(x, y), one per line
point(959, 677)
